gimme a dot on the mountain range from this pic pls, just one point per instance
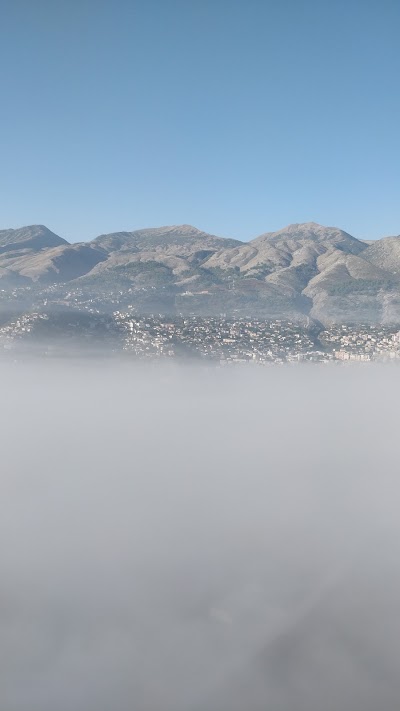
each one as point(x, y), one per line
point(303, 270)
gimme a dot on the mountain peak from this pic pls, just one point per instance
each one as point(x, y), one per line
point(186, 230)
point(29, 237)
point(309, 231)
point(181, 238)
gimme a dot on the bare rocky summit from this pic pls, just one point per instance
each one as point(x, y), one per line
point(35, 237)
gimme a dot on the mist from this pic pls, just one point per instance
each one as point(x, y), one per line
point(199, 539)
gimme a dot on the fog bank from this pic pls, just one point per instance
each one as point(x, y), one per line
point(192, 539)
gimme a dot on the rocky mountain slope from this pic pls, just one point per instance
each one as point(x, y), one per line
point(302, 270)
point(29, 238)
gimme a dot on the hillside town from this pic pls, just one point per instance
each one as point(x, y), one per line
point(230, 341)
point(221, 340)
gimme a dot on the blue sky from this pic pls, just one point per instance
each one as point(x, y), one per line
point(237, 116)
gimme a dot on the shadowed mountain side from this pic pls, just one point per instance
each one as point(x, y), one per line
point(293, 246)
point(349, 285)
point(57, 264)
point(328, 266)
point(385, 253)
point(34, 238)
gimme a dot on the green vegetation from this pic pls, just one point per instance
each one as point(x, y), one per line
point(365, 287)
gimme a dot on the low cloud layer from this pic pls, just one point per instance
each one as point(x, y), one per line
point(199, 540)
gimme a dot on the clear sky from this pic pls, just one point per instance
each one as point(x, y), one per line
point(237, 116)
